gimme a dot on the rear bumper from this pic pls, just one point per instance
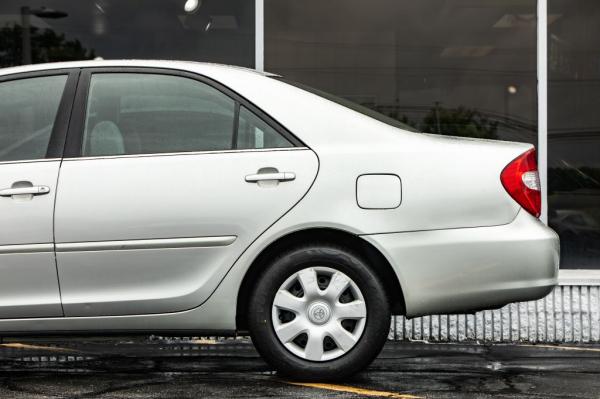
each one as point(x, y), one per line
point(461, 270)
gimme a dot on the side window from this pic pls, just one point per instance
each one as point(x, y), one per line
point(253, 132)
point(129, 113)
point(137, 113)
point(28, 108)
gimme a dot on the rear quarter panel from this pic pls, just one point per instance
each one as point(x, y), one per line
point(447, 182)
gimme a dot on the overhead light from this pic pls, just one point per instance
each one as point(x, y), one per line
point(512, 89)
point(99, 8)
point(99, 20)
point(191, 6)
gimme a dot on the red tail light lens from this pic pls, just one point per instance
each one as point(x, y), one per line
point(521, 179)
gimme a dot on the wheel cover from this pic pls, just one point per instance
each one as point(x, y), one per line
point(319, 314)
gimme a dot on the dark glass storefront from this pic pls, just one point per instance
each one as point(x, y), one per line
point(465, 68)
point(64, 30)
point(458, 67)
point(574, 130)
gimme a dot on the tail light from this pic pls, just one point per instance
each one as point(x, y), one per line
point(522, 181)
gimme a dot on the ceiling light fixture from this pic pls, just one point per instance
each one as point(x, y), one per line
point(191, 6)
point(208, 25)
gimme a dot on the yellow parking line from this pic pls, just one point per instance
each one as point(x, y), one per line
point(358, 391)
point(564, 348)
point(16, 345)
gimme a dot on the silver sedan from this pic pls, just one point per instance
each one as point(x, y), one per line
point(187, 198)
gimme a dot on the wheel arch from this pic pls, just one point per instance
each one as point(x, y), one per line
point(355, 243)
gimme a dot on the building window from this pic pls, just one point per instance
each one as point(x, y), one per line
point(199, 30)
point(441, 66)
point(574, 130)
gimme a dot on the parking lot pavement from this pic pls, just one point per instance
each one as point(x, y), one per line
point(156, 368)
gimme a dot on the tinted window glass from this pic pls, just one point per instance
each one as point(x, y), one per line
point(146, 113)
point(574, 130)
point(253, 132)
point(454, 67)
point(28, 109)
point(62, 30)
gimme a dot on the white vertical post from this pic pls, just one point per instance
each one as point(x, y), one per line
point(542, 81)
point(259, 35)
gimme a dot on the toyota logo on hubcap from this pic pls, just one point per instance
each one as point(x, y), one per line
point(319, 313)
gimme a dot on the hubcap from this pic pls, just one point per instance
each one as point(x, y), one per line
point(319, 314)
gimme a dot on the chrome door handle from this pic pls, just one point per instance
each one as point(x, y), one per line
point(279, 176)
point(33, 190)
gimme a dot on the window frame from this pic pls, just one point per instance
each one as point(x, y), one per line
point(60, 127)
point(74, 141)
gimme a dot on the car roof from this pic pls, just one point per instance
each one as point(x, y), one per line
point(168, 64)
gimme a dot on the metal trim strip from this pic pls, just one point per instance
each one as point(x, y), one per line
point(582, 277)
point(542, 99)
point(188, 153)
point(259, 35)
point(29, 161)
point(161, 243)
point(26, 248)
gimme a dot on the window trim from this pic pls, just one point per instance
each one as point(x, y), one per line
point(236, 126)
point(183, 153)
point(74, 141)
point(58, 136)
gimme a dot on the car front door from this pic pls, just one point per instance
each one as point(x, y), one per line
point(33, 114)
point(172, 177)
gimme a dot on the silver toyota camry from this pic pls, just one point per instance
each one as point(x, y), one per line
point(185, 198)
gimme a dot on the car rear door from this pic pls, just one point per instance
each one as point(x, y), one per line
point(34, 110)
point(169, 178)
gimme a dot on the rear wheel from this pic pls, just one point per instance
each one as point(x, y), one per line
point(319, 312)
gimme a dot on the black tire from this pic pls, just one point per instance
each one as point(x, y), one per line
point(260, 323)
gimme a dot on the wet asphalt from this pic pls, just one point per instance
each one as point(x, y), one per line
point(160, 368)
